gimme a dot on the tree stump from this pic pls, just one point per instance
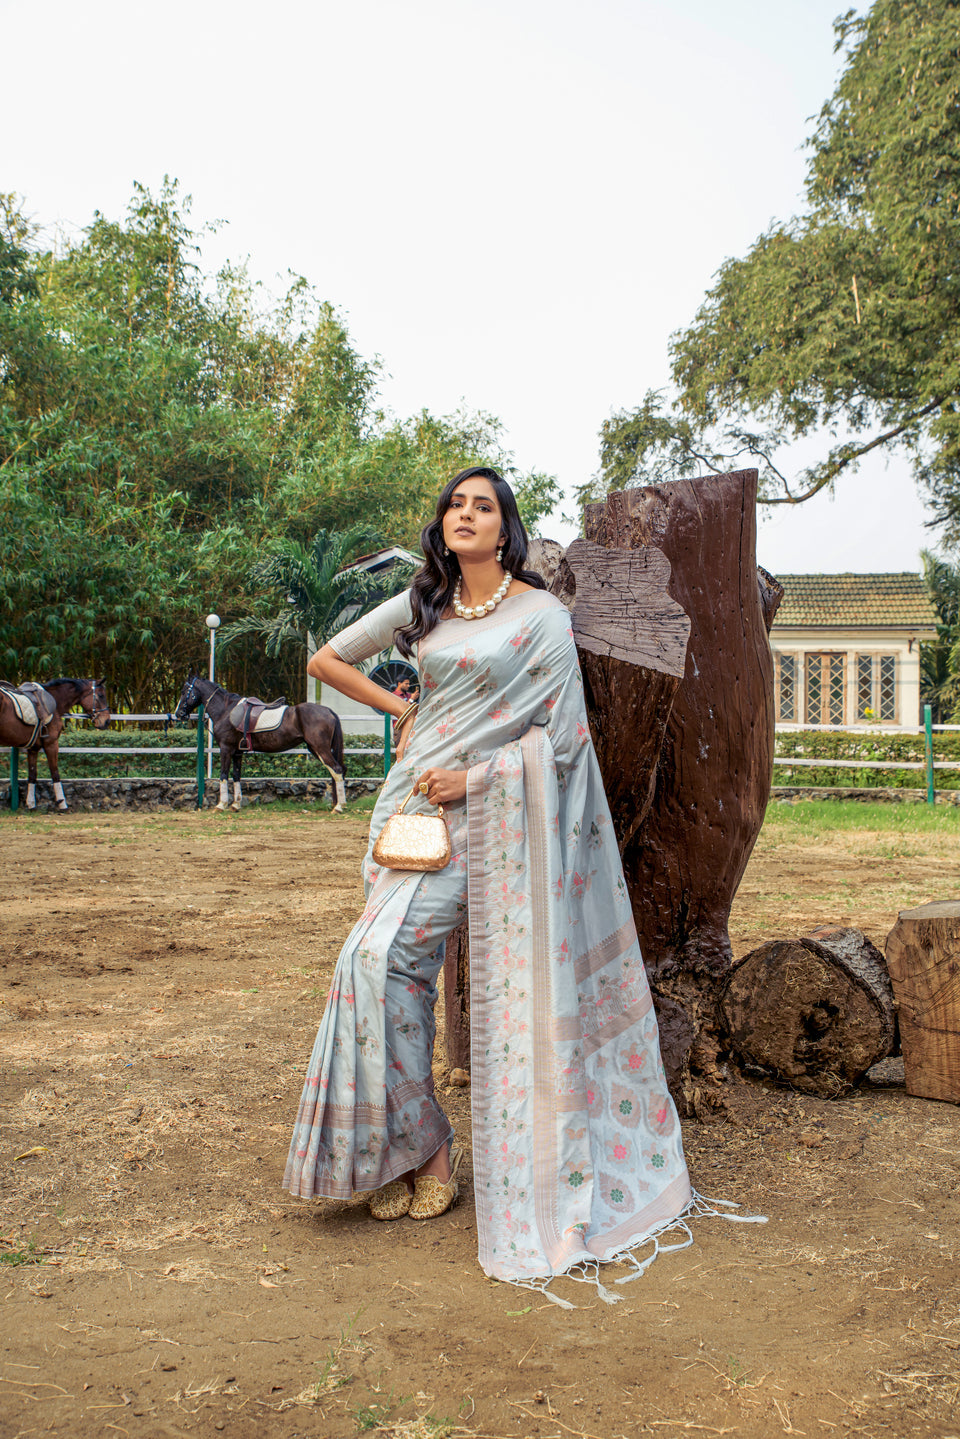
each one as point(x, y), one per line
point(456, 998)
point(923, 956)
point(702, 807)
point(817, 1011)
point(631, 640)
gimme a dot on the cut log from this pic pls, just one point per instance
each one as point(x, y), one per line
point(923, 956)
point(816, 1011)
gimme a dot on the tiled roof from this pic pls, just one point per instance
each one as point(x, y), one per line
point(850, 601)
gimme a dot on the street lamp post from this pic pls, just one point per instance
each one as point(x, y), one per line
point(213, 624)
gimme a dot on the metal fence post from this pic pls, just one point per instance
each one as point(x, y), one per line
point(201, 766)
point(387, 759)
point(928, 752)
point(14, 777)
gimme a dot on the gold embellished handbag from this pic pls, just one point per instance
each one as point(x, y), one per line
point(413, 841)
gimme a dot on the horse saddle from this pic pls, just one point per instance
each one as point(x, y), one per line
point(252, 716)
point(34, 705)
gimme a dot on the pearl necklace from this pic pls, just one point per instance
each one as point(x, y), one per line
point(468, 612)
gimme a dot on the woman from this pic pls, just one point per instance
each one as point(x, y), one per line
point(576, 1144)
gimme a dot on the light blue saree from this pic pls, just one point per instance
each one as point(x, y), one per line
point(577, 1152)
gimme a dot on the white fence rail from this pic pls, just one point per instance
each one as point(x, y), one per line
point(929, 764)
point(200, 749)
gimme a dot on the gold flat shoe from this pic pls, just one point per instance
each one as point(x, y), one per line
point(431, 1197)
point(392, 1201)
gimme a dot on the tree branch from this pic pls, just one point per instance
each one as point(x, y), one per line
point(856, 454)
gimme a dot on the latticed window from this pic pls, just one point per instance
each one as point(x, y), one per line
point(865, 709)
point(888, 687)
point(825, 685)
point(877, 688)
point(787, 689)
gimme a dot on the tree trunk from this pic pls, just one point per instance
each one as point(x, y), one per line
point(456, 999)
point(631, 640)
point(923, 955)
point(706, 798)
point(817, 1011)
point(686, 762)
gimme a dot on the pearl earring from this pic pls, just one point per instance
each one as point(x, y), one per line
point(499, 554)
point(445, 551)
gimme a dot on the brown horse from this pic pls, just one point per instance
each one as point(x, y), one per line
point(65, 693)
point(316, 726)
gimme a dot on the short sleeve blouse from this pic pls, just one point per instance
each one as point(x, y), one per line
point(373, 632)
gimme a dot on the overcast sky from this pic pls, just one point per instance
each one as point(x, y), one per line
point(513, 202)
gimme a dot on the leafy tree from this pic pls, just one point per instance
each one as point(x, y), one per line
point(162, 430)
point(314, 590)
point(847, 317)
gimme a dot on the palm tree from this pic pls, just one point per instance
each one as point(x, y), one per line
point(940, 660)
point(316, 592)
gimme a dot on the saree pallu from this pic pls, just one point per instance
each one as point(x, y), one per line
point(577, 1151)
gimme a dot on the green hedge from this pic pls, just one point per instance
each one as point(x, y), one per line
point(144, 766)
point(869, 745)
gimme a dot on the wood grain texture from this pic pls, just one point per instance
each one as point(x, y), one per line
point(698, 812)
point(686, 752)
point(711, 782)
point(622, 609)
point(816, 1011)
point(923, 957)
point(628, 693)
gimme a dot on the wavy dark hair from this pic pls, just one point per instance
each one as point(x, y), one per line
point(431, 591)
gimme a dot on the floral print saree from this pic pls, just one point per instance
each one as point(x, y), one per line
point(577, 1152)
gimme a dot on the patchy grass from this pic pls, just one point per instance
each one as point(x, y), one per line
point(814, 816)
point(13, 1256)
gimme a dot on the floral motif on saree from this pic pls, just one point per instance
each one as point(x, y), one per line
point(576, 1143)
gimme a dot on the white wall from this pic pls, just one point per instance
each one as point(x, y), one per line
point(852, 642)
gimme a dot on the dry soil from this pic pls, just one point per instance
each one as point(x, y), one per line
point(162, 979)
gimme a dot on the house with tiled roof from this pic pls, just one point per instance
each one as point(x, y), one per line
point(847, 649)
point(354, 717)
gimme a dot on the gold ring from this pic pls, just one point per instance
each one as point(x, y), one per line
point(424, 788)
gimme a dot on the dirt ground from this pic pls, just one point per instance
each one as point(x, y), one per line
point(162, 979)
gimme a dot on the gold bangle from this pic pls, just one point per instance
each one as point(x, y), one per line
point(401, 719)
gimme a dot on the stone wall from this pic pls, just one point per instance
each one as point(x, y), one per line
point(867, 796)
point(97, 794)
point(109, 794)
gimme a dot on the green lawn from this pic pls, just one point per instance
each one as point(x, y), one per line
point(816, 816)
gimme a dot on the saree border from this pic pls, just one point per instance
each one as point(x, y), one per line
point(479, 1066)
point(461, 628)
point(545, 1158)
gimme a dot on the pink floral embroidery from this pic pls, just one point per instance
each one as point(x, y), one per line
point(634, 1060)
point(661, 1114)
point(580, 883)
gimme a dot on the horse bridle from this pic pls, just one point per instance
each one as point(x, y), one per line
point(97, 709)
point(190, 691)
